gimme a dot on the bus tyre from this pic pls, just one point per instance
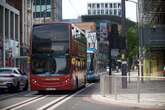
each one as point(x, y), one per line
point(76, 83)
point(41, 92)
point(85, 81)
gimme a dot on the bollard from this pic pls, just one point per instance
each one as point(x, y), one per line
point(115, 87)
point(102, 84)
point(138, 89)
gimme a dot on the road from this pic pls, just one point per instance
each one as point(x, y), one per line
point(79, 100)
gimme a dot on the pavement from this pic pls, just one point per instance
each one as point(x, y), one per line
point(152, 93)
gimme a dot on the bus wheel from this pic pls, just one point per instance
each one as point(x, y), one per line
point(77, 84)
point(85, 81)
point(41, 92)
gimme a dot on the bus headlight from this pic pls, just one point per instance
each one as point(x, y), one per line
point(34, 81)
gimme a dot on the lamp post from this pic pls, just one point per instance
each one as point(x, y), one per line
point(53, 16)
point(45, 15)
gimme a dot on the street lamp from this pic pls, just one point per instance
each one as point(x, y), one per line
point(45, 13)
point(53, 16)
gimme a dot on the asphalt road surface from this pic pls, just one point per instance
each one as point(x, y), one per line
point(79, 100)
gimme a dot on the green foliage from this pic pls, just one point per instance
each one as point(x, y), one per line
point(133, 45)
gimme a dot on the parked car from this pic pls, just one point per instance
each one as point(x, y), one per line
point(13, 79)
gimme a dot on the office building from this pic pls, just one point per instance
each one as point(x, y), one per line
point(15, 28)
point(104, 8)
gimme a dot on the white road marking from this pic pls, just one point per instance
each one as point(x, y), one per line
point(52, 102)
point(29, 103)
point(63, 101)
point(5, 96)
point(31, 93)
point(17, 104)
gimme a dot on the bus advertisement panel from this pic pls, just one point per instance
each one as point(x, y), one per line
point(91, 65)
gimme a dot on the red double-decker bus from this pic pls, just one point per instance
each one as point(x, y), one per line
point(58, 59)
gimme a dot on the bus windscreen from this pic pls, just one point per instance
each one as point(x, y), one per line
point(50, 37)
point(49, 66)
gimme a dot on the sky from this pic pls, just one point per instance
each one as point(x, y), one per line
point(73, 8)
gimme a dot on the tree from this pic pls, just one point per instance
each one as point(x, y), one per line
point(133, 45)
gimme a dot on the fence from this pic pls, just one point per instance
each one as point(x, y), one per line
point(140, 89)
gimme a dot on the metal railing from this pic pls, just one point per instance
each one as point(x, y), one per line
point(138, 88)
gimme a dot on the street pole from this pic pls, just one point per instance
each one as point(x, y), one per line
point(4, 54)
point(45, 12)
point(138, 34)
point(110, 62)
point(124, 63)
point(44, 16)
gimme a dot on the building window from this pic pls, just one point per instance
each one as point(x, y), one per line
point(106, 5)
point(115, 5)
point(16, 27)
point(98, 5)
point(1, 22)
point(93, 5)
point(43, 8)
point(94, 12)
point(115, 12)
point(89, 12)
point(102, 5)
point(98, 12)
point(89, 5)
point(48, 2)
point(119, 12)
point(37, 14)
point(37, 2)
point(11, 25)
point(88, 44)
point(119, 5)
point(7, 23)
point(43, 14)
point(38, 8)
point(45, 2)
point(110, 5)
point(28, 4)
point(110, 12)
point(48, 14)
point(48, 8)
point(102, 12)
point(106, 12)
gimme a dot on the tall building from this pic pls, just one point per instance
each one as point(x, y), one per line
point(104, 8)
point(152, 37)
point(15, 28)
point(47, 10)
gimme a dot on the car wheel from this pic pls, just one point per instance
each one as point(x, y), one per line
point(26, 86)
point(17, 88)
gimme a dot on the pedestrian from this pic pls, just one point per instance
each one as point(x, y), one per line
point(164, 71)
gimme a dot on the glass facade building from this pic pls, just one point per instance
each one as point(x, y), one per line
point(47, 10)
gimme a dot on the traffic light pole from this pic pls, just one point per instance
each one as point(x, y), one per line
point(110, 62)
point(124, 62)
